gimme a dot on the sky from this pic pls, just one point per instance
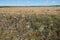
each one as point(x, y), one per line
point(29, 2)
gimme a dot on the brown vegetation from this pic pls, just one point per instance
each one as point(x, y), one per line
point(31, 10)
point(30, 23)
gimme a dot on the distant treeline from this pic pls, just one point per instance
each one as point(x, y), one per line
point(30, 6)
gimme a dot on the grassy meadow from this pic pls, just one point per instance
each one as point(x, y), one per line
point(30, 23)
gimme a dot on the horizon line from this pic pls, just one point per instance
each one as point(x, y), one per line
point(31, 5)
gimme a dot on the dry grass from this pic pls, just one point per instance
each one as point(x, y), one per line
point(30, 23)
point(30, 10)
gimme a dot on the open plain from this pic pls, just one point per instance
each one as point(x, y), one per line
point(31, 10)
point(30, 23)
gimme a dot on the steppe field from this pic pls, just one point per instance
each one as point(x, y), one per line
point(30, 23)
point(30, 10)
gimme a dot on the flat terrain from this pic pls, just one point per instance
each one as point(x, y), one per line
point(30, 10)
point(23, 23)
